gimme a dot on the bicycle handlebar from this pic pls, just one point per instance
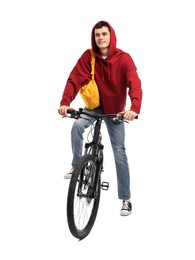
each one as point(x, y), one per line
point(76, 114)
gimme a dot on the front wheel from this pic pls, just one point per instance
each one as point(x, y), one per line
point(83, 198)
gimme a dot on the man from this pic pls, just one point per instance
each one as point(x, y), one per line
point(115, 74)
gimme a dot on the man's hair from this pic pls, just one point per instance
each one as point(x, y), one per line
point(101, 24)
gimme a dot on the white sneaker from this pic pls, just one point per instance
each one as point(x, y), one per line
point(126, 208)
point(69, 174)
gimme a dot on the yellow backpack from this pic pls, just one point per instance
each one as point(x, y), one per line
point(90, 92)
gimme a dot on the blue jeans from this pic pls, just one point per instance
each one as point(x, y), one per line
point(117, 138)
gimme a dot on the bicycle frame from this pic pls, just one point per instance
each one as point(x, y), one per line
point(95, 146)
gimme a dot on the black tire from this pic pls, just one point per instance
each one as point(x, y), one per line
point(82, 200)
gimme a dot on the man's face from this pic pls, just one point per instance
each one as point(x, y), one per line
point(102, 37)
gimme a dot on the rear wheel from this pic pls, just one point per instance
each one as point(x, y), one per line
point(83, 199)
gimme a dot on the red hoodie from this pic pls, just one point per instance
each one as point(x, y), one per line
point(115, 76)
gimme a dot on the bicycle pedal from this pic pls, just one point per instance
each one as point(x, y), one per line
point(105, 185)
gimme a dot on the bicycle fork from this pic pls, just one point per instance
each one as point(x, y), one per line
point(97, 151)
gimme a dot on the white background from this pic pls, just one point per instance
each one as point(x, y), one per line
point(40, 41)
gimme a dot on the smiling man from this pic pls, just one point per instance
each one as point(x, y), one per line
point(102, 40)
point(116, 75)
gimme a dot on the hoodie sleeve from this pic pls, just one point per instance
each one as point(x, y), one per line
point(79, 76)
point(134, 85)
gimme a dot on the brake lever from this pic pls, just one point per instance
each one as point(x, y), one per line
point(73, 113)
point(119, 118)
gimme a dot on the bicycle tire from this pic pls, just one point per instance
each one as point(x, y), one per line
point(82, 207)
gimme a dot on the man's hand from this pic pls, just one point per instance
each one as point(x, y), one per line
point(128, 115)
point(63, 110)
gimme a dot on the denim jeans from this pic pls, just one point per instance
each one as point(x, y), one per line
point(117, 137)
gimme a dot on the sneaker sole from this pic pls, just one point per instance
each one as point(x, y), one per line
point(125, 213)
point(67, 177)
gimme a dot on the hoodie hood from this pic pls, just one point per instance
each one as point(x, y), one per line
point(113, 40)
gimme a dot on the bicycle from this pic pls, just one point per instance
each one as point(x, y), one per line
point(85, 185)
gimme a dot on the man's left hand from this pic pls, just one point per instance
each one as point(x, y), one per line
point(129, 115)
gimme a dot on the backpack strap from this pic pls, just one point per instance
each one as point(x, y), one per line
point(92, 63)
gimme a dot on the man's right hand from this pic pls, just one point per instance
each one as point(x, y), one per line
point(63, 110)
